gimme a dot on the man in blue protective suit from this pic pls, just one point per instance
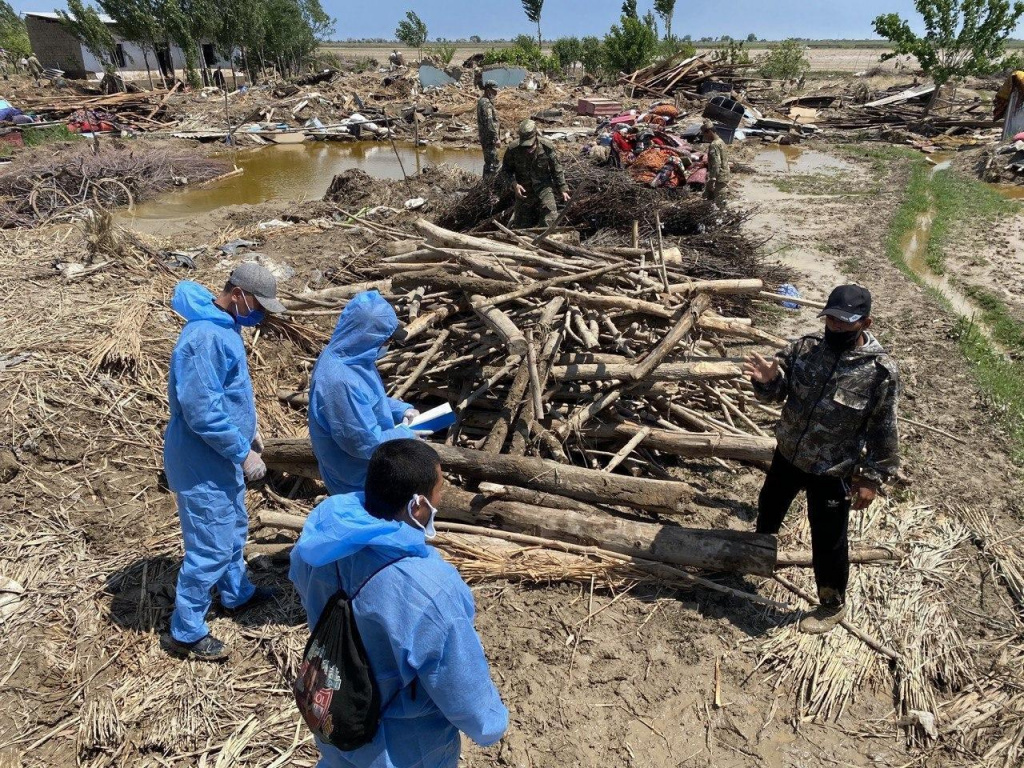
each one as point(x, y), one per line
point(350, 414)
point(211, 448)
point(415, 616)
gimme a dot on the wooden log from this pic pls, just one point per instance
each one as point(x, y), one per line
point(785, 559)
point(299, 399)
point(718, 286)
point(502, 325)
point(627, 449)
point(329, 296)
point(687, 318)
point(692, 444)
point(728, 327)
point(442, 236)
point(672, 497)
point(513, 402)
point(541, 285)
point(716, 550)
point(443, 280)
point(597, 301)
point(575, 482)
point(779, 298)
point(423, 322)
point(701, 370)
point(428, 358)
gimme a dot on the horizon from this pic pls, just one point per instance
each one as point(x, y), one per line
point(494, 21)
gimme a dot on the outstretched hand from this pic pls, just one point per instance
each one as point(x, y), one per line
point(760, 370)
point(862, 494)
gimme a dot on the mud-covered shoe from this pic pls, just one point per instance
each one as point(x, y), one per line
point(824, 618)
point(260, 595)
point(208, 648)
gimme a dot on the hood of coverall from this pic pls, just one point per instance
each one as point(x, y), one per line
point(195, 302)
point(365, 325)
point(340, 526)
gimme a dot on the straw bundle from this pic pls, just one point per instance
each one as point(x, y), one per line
point(909, 611)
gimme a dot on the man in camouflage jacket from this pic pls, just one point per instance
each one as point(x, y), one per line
point(837, 438)
point(488, 127)
point(533, 166)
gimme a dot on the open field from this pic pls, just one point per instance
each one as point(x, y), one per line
point(825, 58)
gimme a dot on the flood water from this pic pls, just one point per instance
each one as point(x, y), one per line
point(793, 159)
point(300, 172)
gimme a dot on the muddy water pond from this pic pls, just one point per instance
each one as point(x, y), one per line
point(299, 172)
point(793, 159)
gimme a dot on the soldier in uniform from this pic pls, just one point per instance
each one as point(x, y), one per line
point(488, 127)
point(35, 68)
point(532, 165)
point(718, 163)
point(837, 438)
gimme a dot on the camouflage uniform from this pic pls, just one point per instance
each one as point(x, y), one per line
point(540, 173)
point(718, 170)
point(488, 128)
point(838, 423)
point(35, 68)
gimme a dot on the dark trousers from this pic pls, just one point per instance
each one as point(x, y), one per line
point(828, 510)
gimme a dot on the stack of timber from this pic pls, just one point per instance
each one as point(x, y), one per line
point(578, 377)
point(671, 76)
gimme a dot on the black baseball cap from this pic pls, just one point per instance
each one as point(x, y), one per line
point(849, 303)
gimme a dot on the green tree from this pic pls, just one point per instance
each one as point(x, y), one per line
point(629, 9)
point(13, 35)
point(592, 54)
point(83, 22)
point(533, 9)
point(137, 21)
point(567, 50)
point(962, 37)
point(751, 38)
point(412, 31)
point(629, 46)
point(785, 61)
point(666, 9)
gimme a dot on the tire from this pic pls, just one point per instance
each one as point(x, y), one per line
point(111, 193)
point(46, 200)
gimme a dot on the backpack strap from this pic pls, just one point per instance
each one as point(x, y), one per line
point(367, 579)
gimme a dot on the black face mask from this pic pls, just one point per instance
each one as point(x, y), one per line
point(841, 341)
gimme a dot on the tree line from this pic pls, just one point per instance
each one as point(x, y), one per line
point(254, 35)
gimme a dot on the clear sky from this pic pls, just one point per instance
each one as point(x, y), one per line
point(503, 19)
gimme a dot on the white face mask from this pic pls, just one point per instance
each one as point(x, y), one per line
point(429, 531)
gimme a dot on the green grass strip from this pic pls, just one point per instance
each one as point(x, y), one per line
point(1000, 380)
point(959, 198)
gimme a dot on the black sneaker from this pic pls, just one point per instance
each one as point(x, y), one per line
point(208, 648)
point(260, 596)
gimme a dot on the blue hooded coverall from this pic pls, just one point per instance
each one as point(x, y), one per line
point(350, 414)
point(213, 422)
point(416, 621)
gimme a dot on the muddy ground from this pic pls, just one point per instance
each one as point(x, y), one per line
point(609, 674)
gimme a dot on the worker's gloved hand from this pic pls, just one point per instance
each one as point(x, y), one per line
point(410, 416)
point(253, 467)
point(257, 442)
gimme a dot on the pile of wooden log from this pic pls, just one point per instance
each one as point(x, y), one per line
point(142, 110)
point(578, 376)
point(671, 76)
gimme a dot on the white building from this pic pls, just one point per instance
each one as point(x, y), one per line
point(56, 48)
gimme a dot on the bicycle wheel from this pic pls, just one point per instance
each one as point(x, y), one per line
point(46, 200)
point(111, 193)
